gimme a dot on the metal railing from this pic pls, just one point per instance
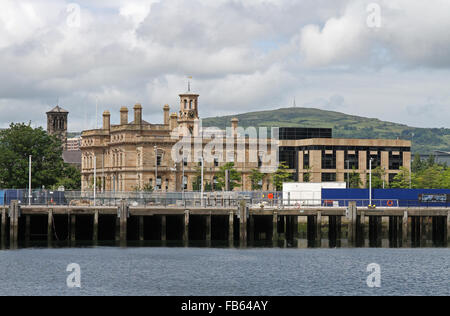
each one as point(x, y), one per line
point(254, 199)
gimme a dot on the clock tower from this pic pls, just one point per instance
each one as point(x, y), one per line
point(188, 111)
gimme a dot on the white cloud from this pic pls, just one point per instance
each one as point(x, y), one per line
point(244, 55)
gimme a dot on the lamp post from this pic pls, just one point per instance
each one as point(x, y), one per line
point(201, 189)
point(29, 180)
point(156, 167)
point(410, 163)
point(95, 179)
point(370, 181)
point(348, 174)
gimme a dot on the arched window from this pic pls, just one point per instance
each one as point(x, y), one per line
point(190, 104)
point(185, 104)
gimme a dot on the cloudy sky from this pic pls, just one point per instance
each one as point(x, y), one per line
point(388, 59)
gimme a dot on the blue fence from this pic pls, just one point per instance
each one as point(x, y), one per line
point(39, 197)
point(405, 197)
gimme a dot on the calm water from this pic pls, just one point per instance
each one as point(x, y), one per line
point(216, 271)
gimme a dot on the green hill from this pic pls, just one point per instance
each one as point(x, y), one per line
point(425, 140)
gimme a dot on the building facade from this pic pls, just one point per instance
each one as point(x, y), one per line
point(57, 124)
point(73, 144)
point(134, 155)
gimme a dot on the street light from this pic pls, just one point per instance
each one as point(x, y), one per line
point(370, 182)
point(201, 190)
point(95, 179)
point(156, 167)
point(29, 181)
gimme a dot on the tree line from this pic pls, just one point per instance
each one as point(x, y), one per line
point(48, 169)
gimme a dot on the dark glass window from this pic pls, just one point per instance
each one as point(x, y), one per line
point(295, 133)
point(395, 161)
point(306, 160)
point(391, 177)
point(328, 159)
point(376, 159)
point(328, 177)
point(351, 160)
point(288, 156)
point(158, 160)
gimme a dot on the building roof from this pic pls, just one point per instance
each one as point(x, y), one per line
point(58, 109)
point(72, 157)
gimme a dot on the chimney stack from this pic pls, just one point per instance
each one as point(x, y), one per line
point(234, 126)
point(106, 121)
point(166, 114)
point(138, 114)
point(173, 121)
point(123, 116)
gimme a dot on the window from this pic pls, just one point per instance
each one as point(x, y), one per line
point(395, 160)
point(328, 177)
point(158, 183)
point(351, 159)
point(306, 160)
point(328, 159)
point(185, 183)
point(216, 162)
point(376, 159)
point(185, 161)
point(158, 160)
point(391, 177)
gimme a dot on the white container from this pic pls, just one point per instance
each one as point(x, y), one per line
point(307, 194)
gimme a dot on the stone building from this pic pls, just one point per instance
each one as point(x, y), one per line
point(132, 155)
point(57, 124)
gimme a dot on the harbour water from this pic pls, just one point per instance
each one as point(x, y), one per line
point(207, 271)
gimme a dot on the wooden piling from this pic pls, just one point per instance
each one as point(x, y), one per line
point(231, 227)
point(95, 228)
point(208, 227)
point(186, 226)
point(163, 228)
point(405, 228)
point(3, 228)
point(352, 221)
point(123, 221)
point(141, 228)
point(275, 226)
point(73, 226)
point(14, 222)
point(243, 223)
point(50, 226)
point(448, 227)
point(251, 228)
point(27, 228)
point(319, 227)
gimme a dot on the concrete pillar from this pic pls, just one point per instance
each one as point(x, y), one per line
point(275, 226)
point(123, 221)
point(423, 229)
point(208, 227)
point(73, 226)
point(13, 222)
point(95, 228)
point(319, 227)
point(295, 227)
point(50, 226)
point(252, 228)
point(163, 227)
point(186, 226)
point(243, 222)
point(352, 221)
point(3, 237)
point(141, 228)
point(448, 227)
point(27, 228)
point(118, 228)
point(405, 228)
point(231, 227)
point(338, 227)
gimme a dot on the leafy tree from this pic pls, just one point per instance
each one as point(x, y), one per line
point(417, 164)
point(48, 168)
point(70, 178)
point(281, 176)
point(235, 177)
point(307, 175)
point(354, 179)
point(378, 174)
point(256, 177)
point(401, 180)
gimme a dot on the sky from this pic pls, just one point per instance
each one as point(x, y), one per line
point(385, 59)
